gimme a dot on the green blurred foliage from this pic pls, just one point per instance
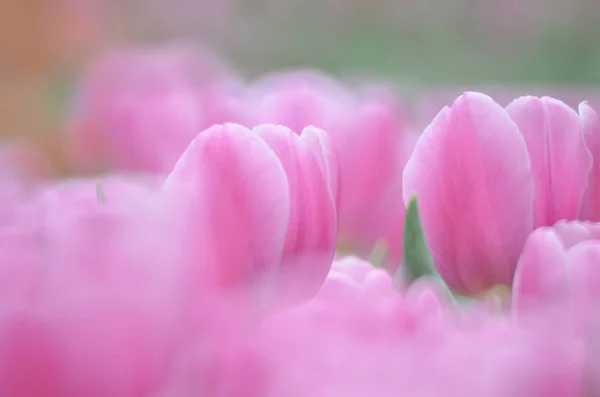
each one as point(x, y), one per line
point(445, 43)
point(458, 41)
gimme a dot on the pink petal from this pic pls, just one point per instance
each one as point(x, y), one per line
point(471, 174)
point(31, 362)
point(234, 198)
point(312, 227)
point(112, 346)
point(370, 150)
point(584, 270)
point(572, 233)
point(559, 159)
point(322, 148)
point(590, 205)
point(541, 278)
point(139, 109)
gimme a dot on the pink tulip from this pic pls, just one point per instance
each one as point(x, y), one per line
point(558, 276)
point(353, 278)
point(485, 176)
point(139, 110)
point(361, 343)
point(225, 368)
point(558, 265)
point(559, 158)
point(104, 346)
point(259, 208)
point(96, 295)
point(360, 299)
point(221, 357)
point(367, 131)
point(471, 173)
point(519, 361)
point(88, 245)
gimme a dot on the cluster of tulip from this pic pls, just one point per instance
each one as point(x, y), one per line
point(203, 262)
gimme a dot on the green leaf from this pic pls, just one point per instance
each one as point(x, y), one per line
point(416, 258)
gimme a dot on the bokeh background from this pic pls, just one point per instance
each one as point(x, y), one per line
point(429, 50)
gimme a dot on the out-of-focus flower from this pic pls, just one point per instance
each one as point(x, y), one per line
point(93, 290)
point(138, 110)
point(559, 158)
point(559, 264)
point(373, 289)
point(369, 134)
point(223, 356)
point(128, 286)
point(486, 176)
point(258, 207)
point(558, 276)
point(357, 339)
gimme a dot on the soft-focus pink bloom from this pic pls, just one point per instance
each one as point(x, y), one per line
point(390, 214)
point(104, 346)
point(94, 293)
point(560, 265)
point(351, 341)
point(98, 302)
point(88, 243)
point(259, 207)
point(368, 132)
point(559, 276)
point(430, 100)
point(221, 356)
point(138, 110)
point(486, 176)
point(365, 301)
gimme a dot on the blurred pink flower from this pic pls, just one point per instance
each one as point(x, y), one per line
point(93, 293)
point(138, 110)
point(486, 176)
point(559, 158)
point(559, 276)
point(357, 338)
point(222, 356)
point(258, 207)
point(368, 132)
point(99, 346)
point(559, 264)
point(111, 292)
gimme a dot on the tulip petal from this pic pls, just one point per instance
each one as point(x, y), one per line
point(590, 204)
point(471, 174)
point(322, 148)
point(559, 159)
point(312, 228)
point(30, 357)
point(369, 149)
point(584, 270)
point(541, 277)
point(574, 232)
point(235, 195)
